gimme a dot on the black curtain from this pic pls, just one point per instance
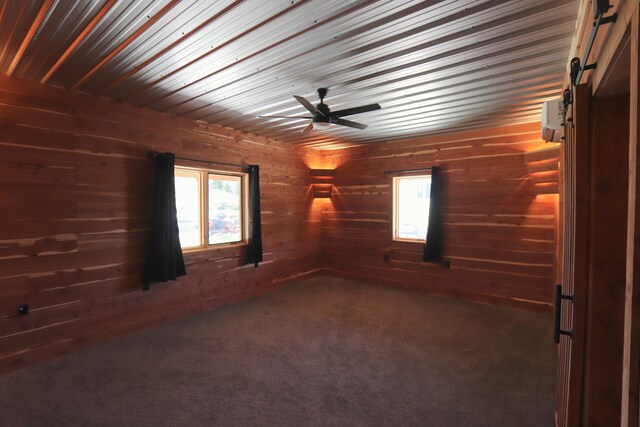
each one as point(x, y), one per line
point(433, 246)
point(254, 251)
point(164, 255)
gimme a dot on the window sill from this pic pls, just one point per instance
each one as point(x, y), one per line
point(215, 247)
point(422, 242)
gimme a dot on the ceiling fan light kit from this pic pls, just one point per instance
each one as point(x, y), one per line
point(323, 118)
point(321, 125)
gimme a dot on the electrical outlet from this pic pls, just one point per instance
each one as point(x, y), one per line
point(386, 257)
point(447, 264)
point(23, 309)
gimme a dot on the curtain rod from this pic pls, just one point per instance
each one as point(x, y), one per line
point(211, 162)
point(409, 170)
point(205, 161)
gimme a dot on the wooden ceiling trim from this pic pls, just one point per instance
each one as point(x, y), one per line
point(126, 43)
point(149, 85)
point(44, 9)
point(90, 26)
point(153, 58)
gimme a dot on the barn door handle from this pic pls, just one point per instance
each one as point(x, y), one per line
point(556, 324)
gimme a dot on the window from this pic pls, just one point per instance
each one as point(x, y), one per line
point(211, 207)
point(411, 199)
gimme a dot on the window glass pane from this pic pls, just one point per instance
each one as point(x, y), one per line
point(225, 209)
point(188, 207)
point(412, 208)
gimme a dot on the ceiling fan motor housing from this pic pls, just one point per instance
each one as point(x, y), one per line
point(324, 109)
point(322, 115)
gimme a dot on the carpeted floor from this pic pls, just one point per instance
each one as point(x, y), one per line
point(323, 352)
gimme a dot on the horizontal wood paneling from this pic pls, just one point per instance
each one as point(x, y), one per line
point(74, 199)
point(75, 180)
point(499, 237)
point(543, 166)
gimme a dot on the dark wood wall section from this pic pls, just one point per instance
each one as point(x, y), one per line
point(608, 204)
point(74, 200)
point(499, 237)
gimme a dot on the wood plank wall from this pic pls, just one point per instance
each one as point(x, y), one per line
point(608, 205)
point(74, 200)
point(498, 236)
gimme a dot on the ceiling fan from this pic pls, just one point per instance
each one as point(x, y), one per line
point(323, 117)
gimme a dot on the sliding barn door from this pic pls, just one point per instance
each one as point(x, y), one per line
point(574, 277)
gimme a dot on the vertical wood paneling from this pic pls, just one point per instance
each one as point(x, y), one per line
point(575, 251)
point(607, 260)
point(74, 201)
point(498, 237)
point(631, 357)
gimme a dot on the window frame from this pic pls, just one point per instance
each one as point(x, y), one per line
point(395, 217)
point(203, 200)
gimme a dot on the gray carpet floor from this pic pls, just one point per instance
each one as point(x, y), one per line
point(322, 352)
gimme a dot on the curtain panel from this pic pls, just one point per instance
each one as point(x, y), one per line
point(433, 246)
point(163, 259)
point(254, 250)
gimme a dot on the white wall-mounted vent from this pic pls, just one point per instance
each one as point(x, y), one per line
point(552, 120)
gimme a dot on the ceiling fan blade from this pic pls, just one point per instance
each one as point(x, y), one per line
point(285, 117)
point(349, 123)
point(356, 110)
point(308, 128)
point(309, 106)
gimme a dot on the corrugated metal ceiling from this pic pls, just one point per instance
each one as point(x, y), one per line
point(433, 66)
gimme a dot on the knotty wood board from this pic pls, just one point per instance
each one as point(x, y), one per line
point(75, 186)
point(498, 236)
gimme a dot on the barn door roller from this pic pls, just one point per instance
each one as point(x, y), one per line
point(600, 7)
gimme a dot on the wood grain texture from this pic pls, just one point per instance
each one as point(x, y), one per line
point(498, 236)
point(606, 41)
point(576, 158)
point(631, 356)
point(607, 261)
point(75, 179)
point(542, 166)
